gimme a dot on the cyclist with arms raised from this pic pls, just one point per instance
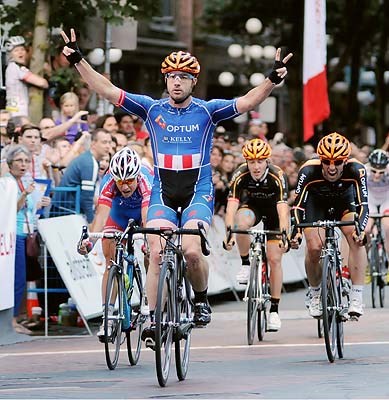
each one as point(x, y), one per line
point(125, 194)
point(258, 190)
point(332, 182)
point(181, 129)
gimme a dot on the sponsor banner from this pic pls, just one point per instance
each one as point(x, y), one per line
point(9, 193)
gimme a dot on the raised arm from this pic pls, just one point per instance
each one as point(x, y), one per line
point(95, 81)
point(258, 94)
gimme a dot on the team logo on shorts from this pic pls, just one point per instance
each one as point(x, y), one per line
point(192, 214)
point(160, 121)
point(159, 213)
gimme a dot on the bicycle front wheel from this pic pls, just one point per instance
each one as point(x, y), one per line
point(113, 322)
point(329, 305)
point(164, 322)
point(184, 330)
point(134, 333)
point(253, 300)
point(373, 261)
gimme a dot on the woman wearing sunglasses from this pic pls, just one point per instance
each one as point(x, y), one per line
point(125, 193)
point(332, 182)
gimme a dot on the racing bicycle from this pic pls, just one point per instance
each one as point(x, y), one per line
point(378, 260)
point(125, 290)
point(257, 293)
point(335, 300)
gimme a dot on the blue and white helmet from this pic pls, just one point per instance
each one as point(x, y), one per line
point(125, 164)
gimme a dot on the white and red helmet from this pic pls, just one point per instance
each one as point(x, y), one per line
point(125, 164)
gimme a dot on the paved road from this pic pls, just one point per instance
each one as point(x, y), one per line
point(289, 364)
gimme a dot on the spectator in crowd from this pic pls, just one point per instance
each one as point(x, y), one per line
point(18, 77)
point(108, 122)
point(140, 132)
point(83, 172)
point(126, 124)
point(121, 140)
point(309, 151)
point(258, 129)
point(51, 131)
point(69, 107)
point(147, 158)
point(4, 118)
point(18, 160)
point(103, 168)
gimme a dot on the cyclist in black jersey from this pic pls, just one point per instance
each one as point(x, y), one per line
point(332, 182)
point(181, 128)
point(259, 191)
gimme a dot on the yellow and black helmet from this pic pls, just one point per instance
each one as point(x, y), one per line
point(180, 61)
point(256, 149)
point(334, 147)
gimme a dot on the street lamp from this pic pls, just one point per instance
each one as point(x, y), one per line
point(250, 53)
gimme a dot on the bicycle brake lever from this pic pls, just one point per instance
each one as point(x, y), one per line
point(203, 239)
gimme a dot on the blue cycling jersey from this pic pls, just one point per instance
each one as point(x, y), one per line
point(181, 141)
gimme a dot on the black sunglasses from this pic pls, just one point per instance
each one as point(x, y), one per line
point(335, 162)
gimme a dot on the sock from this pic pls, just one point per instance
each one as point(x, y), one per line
point(245, 260)
point(315, 289)
point(356, 292)
point(274, 305)
point(201, 297)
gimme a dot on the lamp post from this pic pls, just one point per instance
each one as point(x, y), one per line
point(106, 56)
point(250, 53)
point(248, 59)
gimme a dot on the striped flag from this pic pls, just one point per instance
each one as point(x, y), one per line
point(316, 106)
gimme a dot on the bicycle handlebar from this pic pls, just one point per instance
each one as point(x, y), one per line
point(138, 232)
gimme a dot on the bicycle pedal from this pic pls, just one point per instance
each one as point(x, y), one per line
point(149, 343)
point(354, 318)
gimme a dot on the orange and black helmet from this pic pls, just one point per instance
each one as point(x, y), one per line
point(256, 149)
point(180, 61)
point(334, 147)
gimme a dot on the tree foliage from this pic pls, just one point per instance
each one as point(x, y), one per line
point(359, 38)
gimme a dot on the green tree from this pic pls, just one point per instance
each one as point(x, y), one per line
point(34, 21)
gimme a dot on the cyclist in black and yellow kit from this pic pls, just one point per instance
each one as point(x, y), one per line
point(332, 182)
point(258, 191)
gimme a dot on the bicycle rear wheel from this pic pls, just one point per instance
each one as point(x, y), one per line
point(253, 300)
point(134, 333)
point(319, 328)
point(329, 308)
point(164, 322)
point(184, 331)
point(373, 261)
point(112, 343)
point(382, 269)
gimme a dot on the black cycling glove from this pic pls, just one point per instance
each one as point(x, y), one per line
point(75, 57)
point(274, 75)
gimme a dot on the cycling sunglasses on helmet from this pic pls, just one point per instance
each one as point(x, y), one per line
point(335, 162)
